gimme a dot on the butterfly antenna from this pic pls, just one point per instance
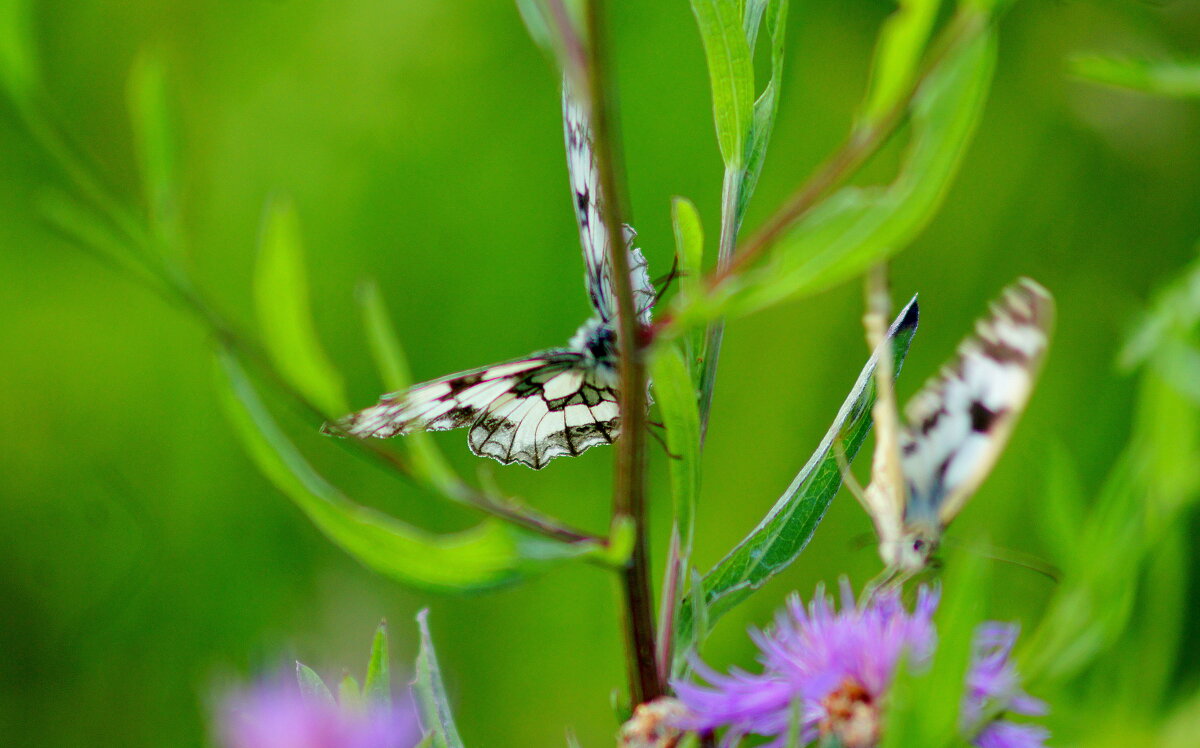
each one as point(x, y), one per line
point(663, 282)
point(1009, 556)
point(659, 438)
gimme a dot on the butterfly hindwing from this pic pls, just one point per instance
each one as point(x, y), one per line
point(593, 232)
point(528, 410)
point(960, 421)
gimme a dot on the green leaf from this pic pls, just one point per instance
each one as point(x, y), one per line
point(731, 74)
point(428, 462)
point(1064, 506)
point(284, 317)
point(430, 693)
point(689, 252)
point(378, 685)
point(19, 69)
point(485, 556)
point(676, 398)
point(533, 14)
point(1176, 79)
point(350, 696)
point(785, 531)
point(311, 684)
point(154, 137)
point(767, 105)
point(857, 227)
point(897, 54)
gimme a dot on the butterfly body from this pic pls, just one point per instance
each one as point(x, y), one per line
point(554, 403)
point(926, 469)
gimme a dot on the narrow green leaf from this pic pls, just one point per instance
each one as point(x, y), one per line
point(151, 115)
point(427, 460)
point(767, 105)
point(311, 684)
point(430, 693)
point(676, 398)
point(857, 227)
point(19, 69)
point(783, 534)
point(897, 55)
point(572, 741)
point(1064, 506)
point(284, 316)
point(1177, 79)
point(378, 685)
point(350, 696)
point(731, 74)
point(689, 252)
point(533, 14)
point(488, 555)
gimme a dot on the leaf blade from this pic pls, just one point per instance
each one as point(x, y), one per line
point(430, 691)
point(731, 74)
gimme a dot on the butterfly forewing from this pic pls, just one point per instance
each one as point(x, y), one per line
point(593, 232)
point(960, 421)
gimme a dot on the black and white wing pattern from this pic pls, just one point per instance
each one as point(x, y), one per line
point(527, 410)
point(960, 421)
point(593, 233)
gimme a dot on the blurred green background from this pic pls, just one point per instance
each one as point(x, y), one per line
point(142, 557)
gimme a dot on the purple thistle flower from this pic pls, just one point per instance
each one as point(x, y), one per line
point(834, 666)
point(275, 714)
point(994, 686)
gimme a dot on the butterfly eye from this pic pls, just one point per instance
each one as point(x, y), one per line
point(918, 545)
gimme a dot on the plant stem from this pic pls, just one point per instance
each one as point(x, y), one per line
point(629, 484)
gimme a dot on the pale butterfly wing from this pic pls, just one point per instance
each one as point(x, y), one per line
point(528, 410)
point(960, 421)
point(593, 232)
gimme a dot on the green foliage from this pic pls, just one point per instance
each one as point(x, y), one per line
point(20, 71)
point(781, 536)
point(378, 685)
point(897, 55)
point(676, 397)
point(1176, 79)
point(488, 555)
point(767, 104)
point(284, 316)
point(731, 74)
point(857, 227)
point(154, 133)
point(311, 684)
point(430, 694)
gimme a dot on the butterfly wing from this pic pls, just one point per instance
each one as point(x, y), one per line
point(593, 232)
point(960, 421)
point(527, 410)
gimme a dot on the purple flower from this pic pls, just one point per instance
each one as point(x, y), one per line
point(993, 687)
point(832, 669)
point(833, 666)
point(275, 714)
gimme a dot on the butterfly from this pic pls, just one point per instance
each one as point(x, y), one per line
point(556, 402)
point(925, 470)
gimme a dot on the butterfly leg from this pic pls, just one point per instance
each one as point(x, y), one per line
point(662, 441)
point(848, 479)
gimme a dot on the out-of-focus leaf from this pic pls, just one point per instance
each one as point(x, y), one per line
point(859, 226)
point(349, 694)
point(154, 136)
point(1063, 513)
point(428, 462)
point(689, 251)
point(787, 528)
point(767, 105)
point(731, 74)
point(533, 14)
point(378, 685)
point(311, 684)
point(676, 398)
point(1173, 78)
point(19, 69)
point(284, 316)
point(897, 54)
point(485, 556)
point(430, 693)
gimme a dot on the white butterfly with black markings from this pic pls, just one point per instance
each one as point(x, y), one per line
point(924, 471)
point(556, 402)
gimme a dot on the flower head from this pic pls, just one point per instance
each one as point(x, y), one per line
point(993, 686)
point(276, 714)
point(835, 666)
